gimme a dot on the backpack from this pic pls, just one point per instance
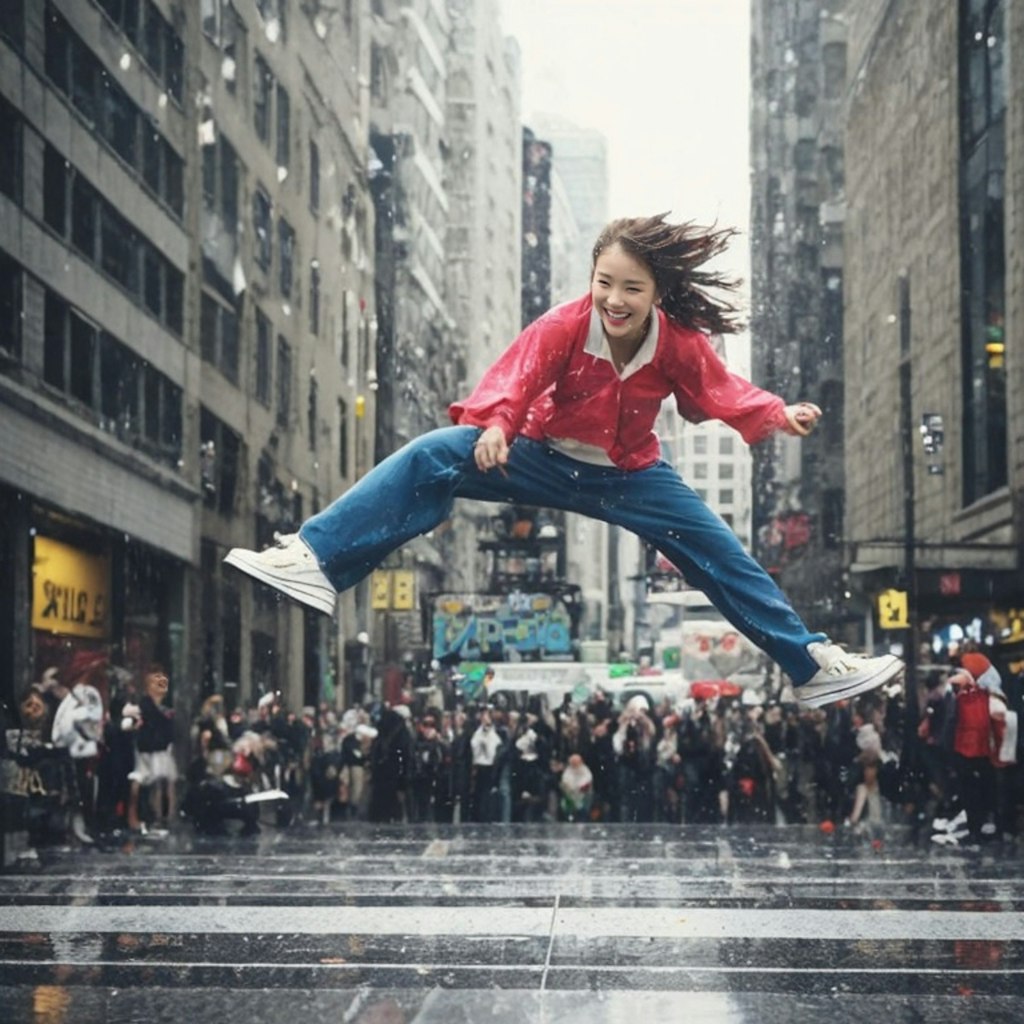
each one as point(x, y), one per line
point(973, 735)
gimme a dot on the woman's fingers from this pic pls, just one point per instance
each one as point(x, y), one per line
point(490, 450)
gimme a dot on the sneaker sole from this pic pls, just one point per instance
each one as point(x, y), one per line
point(843, 691)
point(311, 596)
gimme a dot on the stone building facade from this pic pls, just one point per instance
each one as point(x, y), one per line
point(186, 267)
point(935, 145)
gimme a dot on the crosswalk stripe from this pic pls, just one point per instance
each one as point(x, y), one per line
point(658, 922)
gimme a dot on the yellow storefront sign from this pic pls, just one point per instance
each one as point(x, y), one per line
point(70, 590)
point(404, 595)
point(380, 590)
point(893, 611)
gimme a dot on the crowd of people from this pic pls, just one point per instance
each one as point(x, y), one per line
point(84, 771)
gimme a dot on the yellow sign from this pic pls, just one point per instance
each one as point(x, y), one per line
point(70, 590)
point(380, 590)
point(893, 610)
point(404, 595)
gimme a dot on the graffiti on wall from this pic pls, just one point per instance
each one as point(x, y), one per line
point(501, 627)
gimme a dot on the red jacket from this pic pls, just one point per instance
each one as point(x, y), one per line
point(553, 382)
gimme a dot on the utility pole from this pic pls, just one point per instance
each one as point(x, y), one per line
point(908, 435)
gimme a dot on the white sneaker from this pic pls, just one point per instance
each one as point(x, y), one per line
point(291, 567)
point(842, 675)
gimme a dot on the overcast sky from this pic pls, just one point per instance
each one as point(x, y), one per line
point(666, 82)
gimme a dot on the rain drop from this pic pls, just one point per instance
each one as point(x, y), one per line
point(227, 69)
point(126, 61)
point(282, 173)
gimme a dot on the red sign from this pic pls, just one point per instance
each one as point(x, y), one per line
point(949, 584)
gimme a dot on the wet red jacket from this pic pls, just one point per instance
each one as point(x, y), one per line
point(553, 382)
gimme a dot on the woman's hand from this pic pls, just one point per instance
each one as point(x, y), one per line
point(801, 418)
point(491, 449)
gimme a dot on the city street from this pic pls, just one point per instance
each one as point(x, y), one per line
point(547, 923)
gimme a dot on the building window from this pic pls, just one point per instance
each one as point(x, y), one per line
point(284, 127)
point(343, 438)
point(700, 444)
point(983, 246)
point(726, 471)
point(78, 73)
point(314, 297)
point(833, 60)
point(725, 496)
point(284, 382)
point(10, 308)
point(832, 505)
point(84, 209)
point(10, 151)
point(220, 183)
point(700, 470)
point(262, 90)
point(312, 413)
point(222, 449)
point(223, 26)
point(55, 186)
point(110, 383)
point(107, 240)
point(218, 332)
point(263, 359)
point(726, 445)
point(12, 24)
point(286, 258)
point(314, 176)
point(261, 221)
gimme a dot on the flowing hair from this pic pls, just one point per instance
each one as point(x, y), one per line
point(674, 253)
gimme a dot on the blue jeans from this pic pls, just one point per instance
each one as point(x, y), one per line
point(413, 490)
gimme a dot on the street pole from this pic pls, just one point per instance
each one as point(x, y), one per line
point(908, 435)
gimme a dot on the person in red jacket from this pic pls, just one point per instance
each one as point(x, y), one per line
point(565, 418)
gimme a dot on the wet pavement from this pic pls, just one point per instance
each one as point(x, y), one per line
point(561, 924)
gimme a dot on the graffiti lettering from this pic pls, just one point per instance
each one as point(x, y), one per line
point(69, 604)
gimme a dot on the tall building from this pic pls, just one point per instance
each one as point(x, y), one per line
point(185, 256)
point(799, 78)
point(580, 159)
point(603, 561)
point(933, 300)
point(285, 326)
point(99, 373)
point(483, 240)
point(409, 155)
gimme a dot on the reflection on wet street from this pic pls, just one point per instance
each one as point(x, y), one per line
point(515, 923)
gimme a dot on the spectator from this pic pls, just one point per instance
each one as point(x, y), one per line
point(391, 762)
point(428, 780)
point(577, 788)
point(635, 744)
point(77, 728)
point(155, 768)
point(485, 745)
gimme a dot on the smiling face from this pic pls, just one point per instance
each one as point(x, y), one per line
point(623, 292)
point(33, 711)
point(156, 686)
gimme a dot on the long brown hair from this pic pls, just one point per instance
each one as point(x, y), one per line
point(674, 253)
